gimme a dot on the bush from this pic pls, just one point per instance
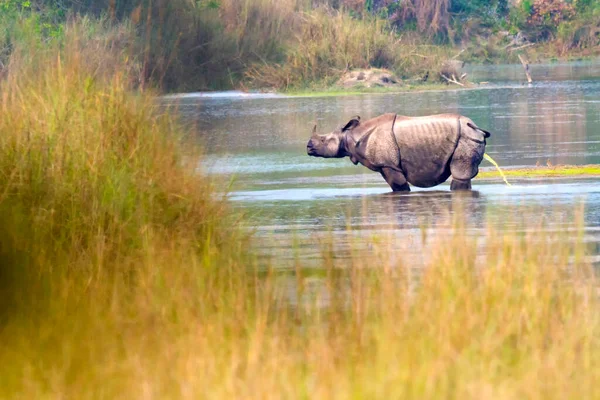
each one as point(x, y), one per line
point(582, 32)
point(545, 16)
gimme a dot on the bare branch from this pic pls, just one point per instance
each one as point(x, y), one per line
point(451, 80)
point(522, 47)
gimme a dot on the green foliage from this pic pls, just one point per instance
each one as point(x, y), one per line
point(480, 8)
point(581, 33)
point(586, 5)
point(14, 6)
point(184, 45)
point(43, 21)
point(526, 7)
point(539, 19)
point(518, 16)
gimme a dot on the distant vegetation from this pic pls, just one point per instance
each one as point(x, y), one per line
point(181, 45)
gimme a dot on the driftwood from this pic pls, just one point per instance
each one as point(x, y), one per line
point(526, 67)
point(517, 41)
point(451, 80)
point(522, 47)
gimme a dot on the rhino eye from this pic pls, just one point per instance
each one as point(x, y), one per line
point(323, 140)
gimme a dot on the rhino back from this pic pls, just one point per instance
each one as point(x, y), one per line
point(426, 147)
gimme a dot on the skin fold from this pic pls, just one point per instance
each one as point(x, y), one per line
point(419, 151)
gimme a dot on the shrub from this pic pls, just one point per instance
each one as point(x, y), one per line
point(582, 32)
point(546, 15)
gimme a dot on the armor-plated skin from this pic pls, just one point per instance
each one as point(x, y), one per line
point(422, 151)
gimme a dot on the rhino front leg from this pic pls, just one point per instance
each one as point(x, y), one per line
point(464, 165)
point(395, 179)
point(458, 184)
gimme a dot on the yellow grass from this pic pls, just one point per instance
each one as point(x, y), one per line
point(521, 322)
point(590, 170)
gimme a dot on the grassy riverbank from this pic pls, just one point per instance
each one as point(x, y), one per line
point(336, 91)
point(573, 171)
point(297, 45)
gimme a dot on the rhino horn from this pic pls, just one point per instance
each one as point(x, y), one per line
point(314, 131)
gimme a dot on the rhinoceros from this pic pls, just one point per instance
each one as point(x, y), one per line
point(421, 151)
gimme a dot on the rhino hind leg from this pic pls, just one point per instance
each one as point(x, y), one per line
point(395, 179)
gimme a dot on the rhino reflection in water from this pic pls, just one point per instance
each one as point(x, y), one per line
point(422, 151)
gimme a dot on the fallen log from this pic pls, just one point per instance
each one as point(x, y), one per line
point(526, 67)
point(449, 80)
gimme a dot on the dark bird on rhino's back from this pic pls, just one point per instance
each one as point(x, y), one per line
point(423, 151)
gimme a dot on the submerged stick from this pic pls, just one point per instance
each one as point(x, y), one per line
point(490, 159)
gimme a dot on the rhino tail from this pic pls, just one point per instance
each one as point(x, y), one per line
point(486, 134)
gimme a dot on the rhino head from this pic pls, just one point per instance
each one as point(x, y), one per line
point(332, 145)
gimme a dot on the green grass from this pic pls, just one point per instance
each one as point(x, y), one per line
point(545, 172)
point(336, 91)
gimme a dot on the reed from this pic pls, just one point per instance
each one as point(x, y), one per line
point(95, 187)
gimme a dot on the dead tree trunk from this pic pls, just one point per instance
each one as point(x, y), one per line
point(526, 67)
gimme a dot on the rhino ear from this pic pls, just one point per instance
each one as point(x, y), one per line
point(353, 123)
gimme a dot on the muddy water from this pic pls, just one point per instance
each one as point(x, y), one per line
point(295, 202)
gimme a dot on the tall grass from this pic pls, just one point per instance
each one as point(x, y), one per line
point(330, 42)
point(188, 46)
point(282, 44)
point(96, 192)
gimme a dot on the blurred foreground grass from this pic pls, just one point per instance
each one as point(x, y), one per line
point(123, 275)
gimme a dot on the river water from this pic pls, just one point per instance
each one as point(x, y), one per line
point(256, 145)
